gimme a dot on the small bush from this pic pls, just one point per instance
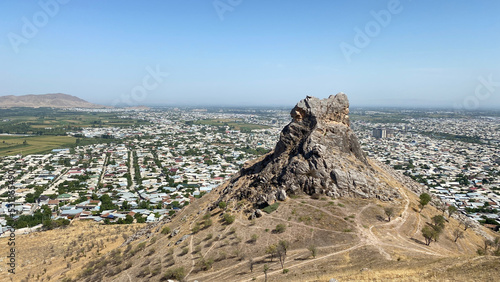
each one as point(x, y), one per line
point(165, 230)
point(196, 228)
point(228, 218)
point(174, 273)
point(280, 228)
point(285, 270)
point(209, 236)
point(206, 264)
point(207, 223)
point(185, 250)
point(271, 208)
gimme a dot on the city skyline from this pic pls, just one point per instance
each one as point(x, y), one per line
point(227, 53)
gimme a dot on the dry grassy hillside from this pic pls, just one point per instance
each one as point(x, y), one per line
point(346, 239)
point(56, 254)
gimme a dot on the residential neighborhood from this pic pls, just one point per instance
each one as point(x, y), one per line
point(144, 175)
point(456, 158)
point(148, 172)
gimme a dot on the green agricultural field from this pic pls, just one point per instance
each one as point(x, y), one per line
point(13, 145)
point(44, 121)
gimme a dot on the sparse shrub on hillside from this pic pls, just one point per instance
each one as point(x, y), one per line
point(222, 256)
point(207, 216)
point(144, 272)
point(151, 251)
point(184, 251)
point(280, 228)
point(177, 273)
point(313, 250)
point(156, 271)
point(223, 205)
point(205, 264)
point(254, 238)
point(228, 218)
point(153, 240)
point(196, 228)
point(209, 236)
point(165, 230)
point(207, 223)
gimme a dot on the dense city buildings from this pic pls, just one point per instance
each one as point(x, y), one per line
point(151, 170)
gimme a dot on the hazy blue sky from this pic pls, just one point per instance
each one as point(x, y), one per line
point(254, 52)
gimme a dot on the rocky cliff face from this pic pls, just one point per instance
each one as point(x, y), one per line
point(317, 153)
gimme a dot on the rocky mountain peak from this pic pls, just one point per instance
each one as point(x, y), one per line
point(317, 153)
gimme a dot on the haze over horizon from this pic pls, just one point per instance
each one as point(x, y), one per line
point(236, 52)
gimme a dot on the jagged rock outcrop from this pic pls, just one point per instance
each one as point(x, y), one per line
point(317, 153)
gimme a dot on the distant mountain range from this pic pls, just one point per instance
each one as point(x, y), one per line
point(57, 100)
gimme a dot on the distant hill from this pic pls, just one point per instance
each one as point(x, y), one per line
point(57, 100)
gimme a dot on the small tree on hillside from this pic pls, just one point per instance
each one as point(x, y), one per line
point(281, 253)
point(438, 221)
point(429, 234)
point(283, 244)
point(271, 250)
point(389, 211)
point(467, 224)
point(488, 243)
point(451, 210)
point(222, 205)
point(266, 268)
point(424, 200)
point(457, 233)
point(313, 250)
